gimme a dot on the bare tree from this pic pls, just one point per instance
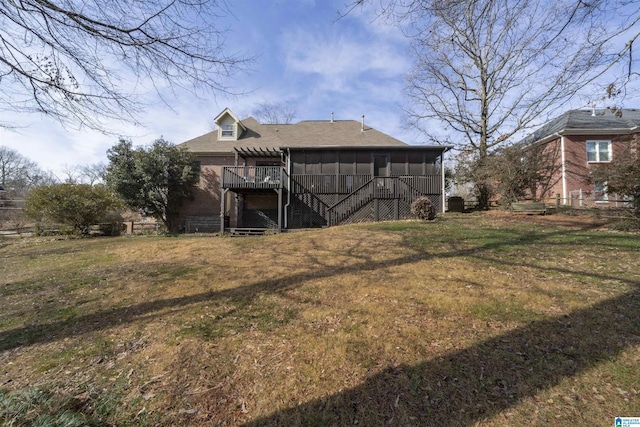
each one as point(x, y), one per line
point(16, 171)
point(93, 173)
point(70, 174)
point(82, 61)
point(489, 69)
point(275, 112)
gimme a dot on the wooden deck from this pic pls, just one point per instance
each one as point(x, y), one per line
point(252, 177)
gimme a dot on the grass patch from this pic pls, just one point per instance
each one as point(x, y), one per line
point(472, 319)
point(36, 407)
point(502, 311)
point(261, 317)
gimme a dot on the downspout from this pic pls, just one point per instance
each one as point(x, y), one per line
point(443, 180)
point(564, 171)
point(286, 206)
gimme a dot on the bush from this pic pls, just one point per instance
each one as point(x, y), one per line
point(423, 208)
point(74, 206)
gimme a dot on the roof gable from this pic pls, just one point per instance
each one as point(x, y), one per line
point(227, 113)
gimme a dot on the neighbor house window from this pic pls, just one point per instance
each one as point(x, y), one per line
point(600, 191)
point(598, 151)
point(227, 131)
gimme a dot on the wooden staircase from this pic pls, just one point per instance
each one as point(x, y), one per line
point(376, 188)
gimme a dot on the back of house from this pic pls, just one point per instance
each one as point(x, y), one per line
point(314, 173)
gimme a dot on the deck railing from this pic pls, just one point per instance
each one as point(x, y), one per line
point(235, 177)
point(331, 184)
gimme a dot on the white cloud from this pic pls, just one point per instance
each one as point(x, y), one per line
point(341, 59)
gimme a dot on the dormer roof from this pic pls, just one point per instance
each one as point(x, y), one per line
point(227, 112)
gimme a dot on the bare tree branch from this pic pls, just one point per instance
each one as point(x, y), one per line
point(83, 62)
point(275, 112)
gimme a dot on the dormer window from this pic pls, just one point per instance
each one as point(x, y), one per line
point(227, 131)
point(229, 127)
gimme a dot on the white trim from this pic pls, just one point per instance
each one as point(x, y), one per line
point(564, 172)
point(444, 196)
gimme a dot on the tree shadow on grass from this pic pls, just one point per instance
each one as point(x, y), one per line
point(461, 388)
point(52, 331)
point(467, 386)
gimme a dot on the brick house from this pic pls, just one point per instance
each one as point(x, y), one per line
point(579, 141)
point(313, 173)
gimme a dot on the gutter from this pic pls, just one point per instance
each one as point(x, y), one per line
point(611, 131)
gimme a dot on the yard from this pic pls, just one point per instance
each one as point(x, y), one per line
point(474, 319)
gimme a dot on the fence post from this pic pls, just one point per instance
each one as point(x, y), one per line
point(557, 201)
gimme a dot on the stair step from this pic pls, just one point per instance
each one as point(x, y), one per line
point(239, 232)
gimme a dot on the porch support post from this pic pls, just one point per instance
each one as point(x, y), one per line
point(279, 190)
point(223, 196)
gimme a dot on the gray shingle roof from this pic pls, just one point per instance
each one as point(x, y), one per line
point(585, 122)
point(308, 133)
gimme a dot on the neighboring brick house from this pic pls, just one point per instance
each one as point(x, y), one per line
point(580, 141)
point(309, 174)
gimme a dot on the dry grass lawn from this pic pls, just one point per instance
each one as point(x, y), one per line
point(470, 320)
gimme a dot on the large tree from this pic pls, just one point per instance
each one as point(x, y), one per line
point(82, 61)
point(486, 70)
point(155, 180)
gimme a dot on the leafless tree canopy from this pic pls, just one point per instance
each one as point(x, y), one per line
point(18, 173)
point(81, 61)
point(275, 112)
point(488, 69)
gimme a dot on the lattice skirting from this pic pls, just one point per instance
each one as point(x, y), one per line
point(301, 215)
point(304, 211)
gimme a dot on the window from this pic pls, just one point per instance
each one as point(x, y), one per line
point(600, 191)
point(598, 151)
point(227, 131)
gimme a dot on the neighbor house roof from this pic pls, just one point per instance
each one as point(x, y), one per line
point(587, 122)
point(308, 133)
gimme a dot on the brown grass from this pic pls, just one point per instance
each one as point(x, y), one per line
point(469, 320)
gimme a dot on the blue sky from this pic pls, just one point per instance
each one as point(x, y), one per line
point(303, 54)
